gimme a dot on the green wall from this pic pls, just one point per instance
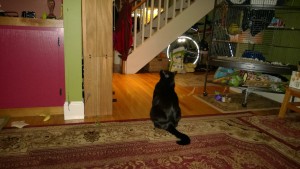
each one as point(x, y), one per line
point(286, 42)
point(73, 49)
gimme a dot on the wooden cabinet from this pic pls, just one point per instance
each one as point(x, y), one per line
point(31, 67)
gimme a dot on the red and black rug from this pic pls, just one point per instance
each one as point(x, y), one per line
point(218, 141)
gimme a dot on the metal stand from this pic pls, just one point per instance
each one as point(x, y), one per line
point(246, 92)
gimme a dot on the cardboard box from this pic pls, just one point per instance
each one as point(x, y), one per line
point(158, 63)
point(295, 80)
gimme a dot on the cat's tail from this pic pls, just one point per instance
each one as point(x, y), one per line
point(184, 139)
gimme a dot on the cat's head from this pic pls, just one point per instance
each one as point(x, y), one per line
point(168, 76)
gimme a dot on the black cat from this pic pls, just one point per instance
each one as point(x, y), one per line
point(165, 112)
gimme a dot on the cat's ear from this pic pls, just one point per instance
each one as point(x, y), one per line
point(164, 74)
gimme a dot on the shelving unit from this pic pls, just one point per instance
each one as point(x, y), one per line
point(231, 62)
point(269, 32)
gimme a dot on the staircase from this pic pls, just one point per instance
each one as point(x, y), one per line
point(175, 18)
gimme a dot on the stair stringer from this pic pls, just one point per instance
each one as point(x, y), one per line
point(144, 53)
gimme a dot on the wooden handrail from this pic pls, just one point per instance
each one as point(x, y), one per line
point(138, 5)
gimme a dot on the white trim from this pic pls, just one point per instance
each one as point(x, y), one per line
point(74, 110)
point(273, 96)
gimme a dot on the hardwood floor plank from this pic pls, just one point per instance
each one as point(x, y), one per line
point(134, 97)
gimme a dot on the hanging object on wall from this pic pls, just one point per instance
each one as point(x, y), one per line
point(51, 6)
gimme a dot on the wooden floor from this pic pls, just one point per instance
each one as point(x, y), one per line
point(134, 95)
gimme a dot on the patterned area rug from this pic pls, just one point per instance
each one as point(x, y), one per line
point(219, 141)
point(192, 79)
point(254, 102)
point(286, 130)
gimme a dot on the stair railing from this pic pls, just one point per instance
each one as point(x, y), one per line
point(149, 16)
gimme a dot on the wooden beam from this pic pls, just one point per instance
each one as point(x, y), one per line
point(98, 56)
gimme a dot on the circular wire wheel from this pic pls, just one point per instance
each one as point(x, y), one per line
point(189, 46)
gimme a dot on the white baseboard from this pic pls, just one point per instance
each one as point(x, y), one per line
point(74, 110)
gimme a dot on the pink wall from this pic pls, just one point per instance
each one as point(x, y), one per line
point(38, 6)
